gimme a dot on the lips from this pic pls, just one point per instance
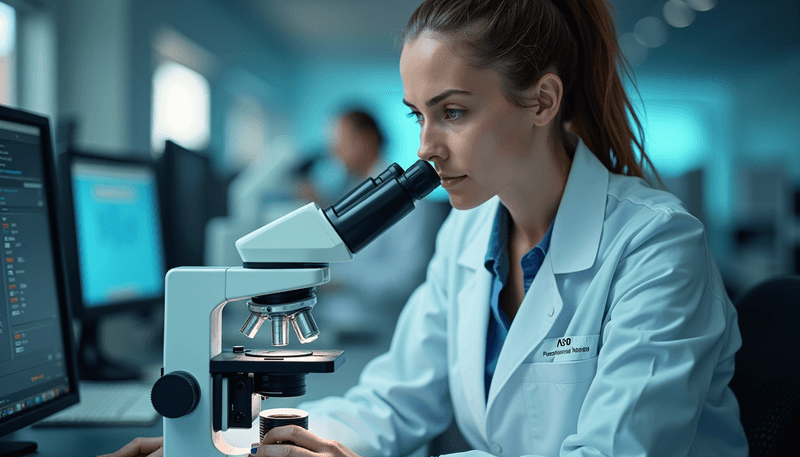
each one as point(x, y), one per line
point(450, 181)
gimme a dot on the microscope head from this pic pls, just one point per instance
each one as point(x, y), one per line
point(311, 237)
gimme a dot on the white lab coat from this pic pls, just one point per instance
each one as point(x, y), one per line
point(623, 345)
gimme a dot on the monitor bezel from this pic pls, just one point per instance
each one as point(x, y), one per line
point(66, 159)
point(21, 420)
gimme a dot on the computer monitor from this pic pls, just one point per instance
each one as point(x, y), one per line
point(37, 366)
point(116, 253)
point(187, 183)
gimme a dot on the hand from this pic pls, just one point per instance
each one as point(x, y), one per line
point(141, 447)
point(304, 444)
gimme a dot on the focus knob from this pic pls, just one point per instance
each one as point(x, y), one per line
point(175, 394)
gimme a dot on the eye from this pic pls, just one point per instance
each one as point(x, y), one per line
point(454, 114)
point(416, 114)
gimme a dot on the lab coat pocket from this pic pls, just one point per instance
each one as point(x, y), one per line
point(554, 394)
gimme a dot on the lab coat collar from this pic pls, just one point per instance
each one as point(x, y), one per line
point(579, 220)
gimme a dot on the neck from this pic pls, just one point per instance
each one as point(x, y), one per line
point(533, 199)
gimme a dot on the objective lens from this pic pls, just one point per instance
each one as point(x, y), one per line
point(252, 325)
point(305, 326)
point(280, 330)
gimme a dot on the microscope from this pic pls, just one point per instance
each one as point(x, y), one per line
point(204, 390)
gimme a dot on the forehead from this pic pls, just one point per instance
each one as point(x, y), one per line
point(429, 65)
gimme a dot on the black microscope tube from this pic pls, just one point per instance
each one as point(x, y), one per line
point(377, 207)
point(369, 184)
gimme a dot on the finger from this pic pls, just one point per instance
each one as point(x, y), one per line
point(303, 444)
point(138, 446)
point(296, 435)
point(280, 450)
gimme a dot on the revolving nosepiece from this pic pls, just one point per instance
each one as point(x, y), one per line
point(281, 309)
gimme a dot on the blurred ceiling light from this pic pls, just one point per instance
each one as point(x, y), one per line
point(633, 49)
point(678, 14)
point(175, 47)
point(702, 5)
point(652, 31)
point(8, 32)
point(181, 107)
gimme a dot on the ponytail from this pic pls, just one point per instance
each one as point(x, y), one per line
point(597, 107)
point(525, 39)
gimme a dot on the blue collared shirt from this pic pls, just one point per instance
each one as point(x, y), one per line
point(497, 263)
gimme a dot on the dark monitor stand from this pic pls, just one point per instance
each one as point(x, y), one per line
point(117, 255)
point(93, 362)
point(16, 448)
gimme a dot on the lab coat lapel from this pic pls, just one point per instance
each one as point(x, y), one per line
point(537, 313)
point(473, 321)
point(573, 247)
point(472, 324)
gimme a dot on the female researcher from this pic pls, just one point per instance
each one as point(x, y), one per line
point(570, 308)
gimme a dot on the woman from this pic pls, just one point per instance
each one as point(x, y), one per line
point(570, 308)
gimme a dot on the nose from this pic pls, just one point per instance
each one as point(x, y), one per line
point(431, 147)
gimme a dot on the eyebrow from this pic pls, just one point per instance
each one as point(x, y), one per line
point(438, 98)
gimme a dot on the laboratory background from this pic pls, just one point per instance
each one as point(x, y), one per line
point(180, 126)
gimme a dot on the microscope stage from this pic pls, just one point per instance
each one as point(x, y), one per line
point(277, 361)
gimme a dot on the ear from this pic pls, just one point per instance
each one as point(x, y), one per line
point(546, 95)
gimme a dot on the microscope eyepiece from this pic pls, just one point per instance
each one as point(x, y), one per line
point(420, 179)
point(377, 204)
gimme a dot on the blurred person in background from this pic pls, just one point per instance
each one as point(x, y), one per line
point(354, 153)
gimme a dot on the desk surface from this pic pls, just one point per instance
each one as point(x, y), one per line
point(82, 441)
point(93, 441)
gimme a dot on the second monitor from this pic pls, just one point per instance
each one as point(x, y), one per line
point(117, 255)
point(186, 189)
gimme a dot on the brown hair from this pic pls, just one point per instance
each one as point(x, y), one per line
point(525, 39)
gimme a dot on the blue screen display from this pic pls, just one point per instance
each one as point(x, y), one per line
point(118, 227)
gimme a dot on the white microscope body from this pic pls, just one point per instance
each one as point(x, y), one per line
point(204, 390)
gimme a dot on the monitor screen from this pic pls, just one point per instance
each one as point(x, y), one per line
point(118, 230)
point(37, 373)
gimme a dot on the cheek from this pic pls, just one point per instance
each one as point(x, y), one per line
point(516, 135)
point(492, 145)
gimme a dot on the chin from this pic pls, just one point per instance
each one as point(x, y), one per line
point(463, 202)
